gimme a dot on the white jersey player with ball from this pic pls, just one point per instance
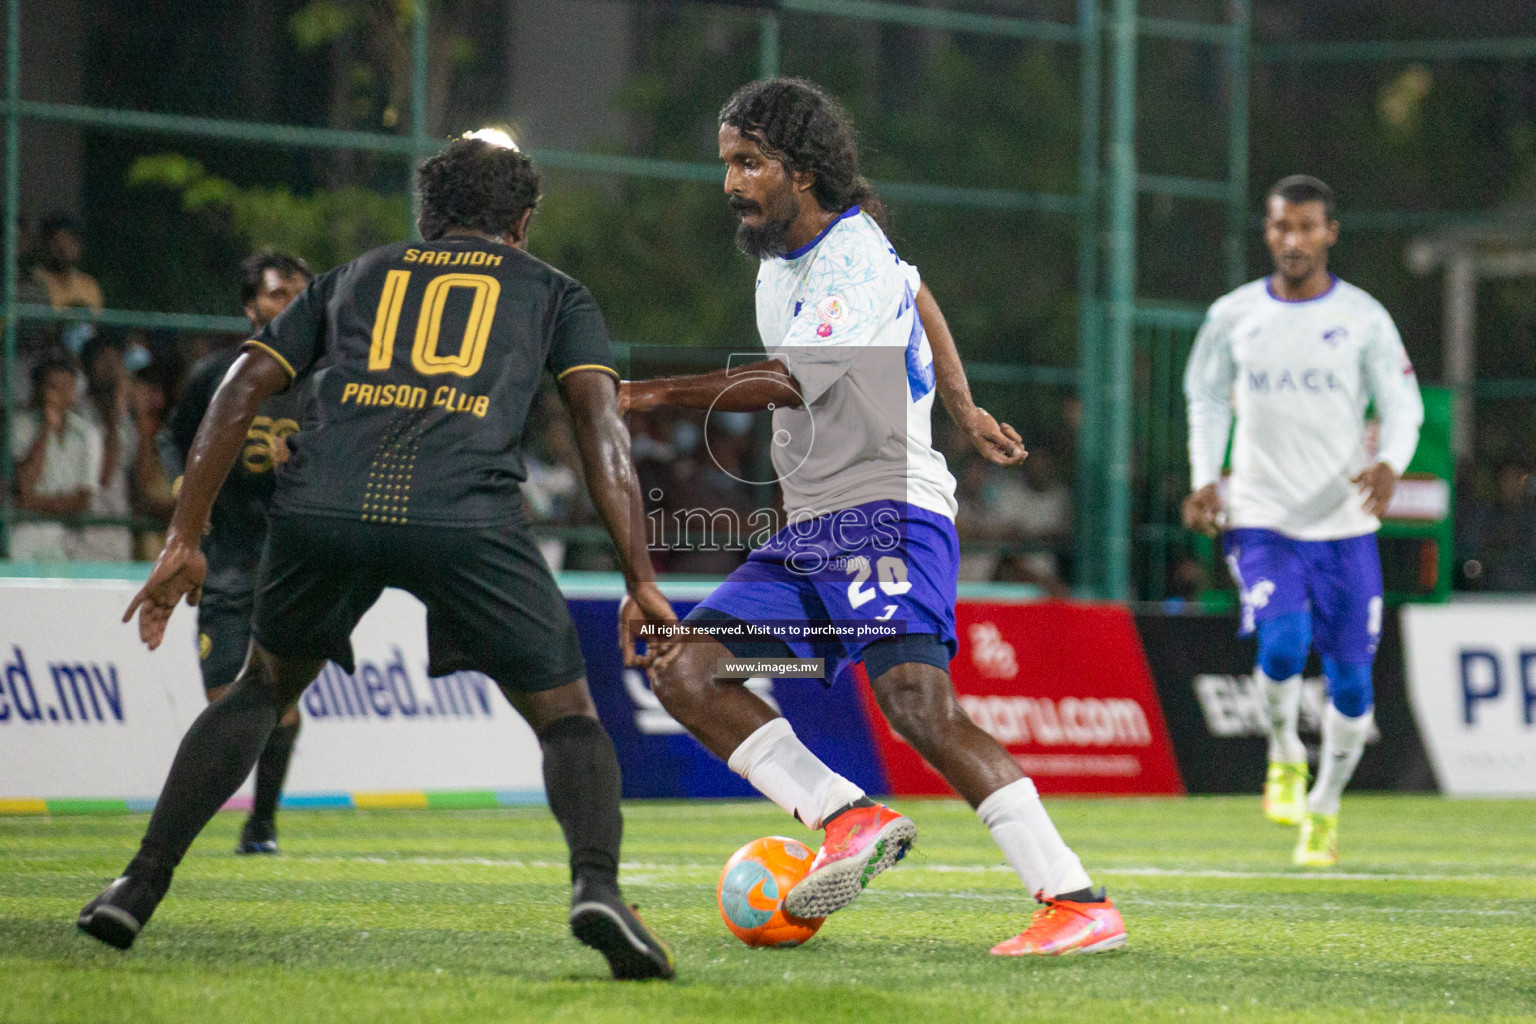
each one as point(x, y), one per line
point(1298, 357)
point(856, 350)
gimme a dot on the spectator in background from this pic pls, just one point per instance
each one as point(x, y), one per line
point(1019, 515)
point(1040, 513)
point(1499, 538)
point(1042, 507)
point(152, 395)
point(977, 520)
point(58, 464)
point(59, 250)
point(34, 339)
point(1187, 581)
point(201, 346)
point(552, 491)
point(651, 443)
point(708, 503)
point(106, 408)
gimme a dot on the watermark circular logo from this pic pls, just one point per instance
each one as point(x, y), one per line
point(782, 439)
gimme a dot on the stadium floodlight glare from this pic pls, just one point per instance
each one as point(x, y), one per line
point(495, 137)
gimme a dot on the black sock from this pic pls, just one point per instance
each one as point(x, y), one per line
point(213, 760)
point(1082, 896)
point(271, 769)
point(862, 801)
point(581, 780)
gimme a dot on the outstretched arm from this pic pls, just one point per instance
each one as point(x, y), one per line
point(180, 569)
point(604, 446)
point(998, 442)
point(739, 389)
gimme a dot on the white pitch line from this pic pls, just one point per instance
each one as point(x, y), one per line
point(1319, 876)
point(630, 867)
point(1136, 904)
point(678, 867)
point(1331, 908)
point(482, 862)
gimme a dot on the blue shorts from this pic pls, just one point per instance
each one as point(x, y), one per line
point(1337, 581)
point(873, 570)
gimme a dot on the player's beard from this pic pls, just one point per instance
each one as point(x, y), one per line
point(766, 240)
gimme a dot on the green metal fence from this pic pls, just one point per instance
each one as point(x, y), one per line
point(1129, 352)
point(1133, 463)
point(1162, 340)
point(415, 143)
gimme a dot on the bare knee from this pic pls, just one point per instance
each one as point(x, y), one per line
point(682, 684)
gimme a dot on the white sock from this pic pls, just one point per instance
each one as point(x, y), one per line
point(785, 771)
point(1283, 699)
point(1343, 743)
point(1030, 842)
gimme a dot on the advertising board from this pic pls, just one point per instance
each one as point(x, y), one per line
point(1217, 717)
point(1472, 683)
point(88, 714)
point(1066, 690)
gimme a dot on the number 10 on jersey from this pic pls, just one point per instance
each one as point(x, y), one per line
point(425, 356)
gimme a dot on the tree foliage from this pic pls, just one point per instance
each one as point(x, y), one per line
point(327, 227)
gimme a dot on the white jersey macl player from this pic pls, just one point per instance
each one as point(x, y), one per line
point(856, 350)
point(1298, 356)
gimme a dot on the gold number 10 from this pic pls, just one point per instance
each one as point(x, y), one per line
point(429, 321)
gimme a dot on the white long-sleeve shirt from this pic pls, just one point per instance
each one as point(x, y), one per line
point(1298, 376)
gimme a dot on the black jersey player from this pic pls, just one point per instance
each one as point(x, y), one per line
point(238, 524)
point(418, 364)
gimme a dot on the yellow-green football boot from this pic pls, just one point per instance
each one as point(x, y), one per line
point(1285, 792)
point(1318, 845)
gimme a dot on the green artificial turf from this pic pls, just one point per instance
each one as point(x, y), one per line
point(459, 916)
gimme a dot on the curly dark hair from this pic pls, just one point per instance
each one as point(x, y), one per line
point(798, 124)
point(475, 186)
point(255, 266)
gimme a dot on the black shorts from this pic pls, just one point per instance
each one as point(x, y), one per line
point(492, 605)
point(223, 637)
